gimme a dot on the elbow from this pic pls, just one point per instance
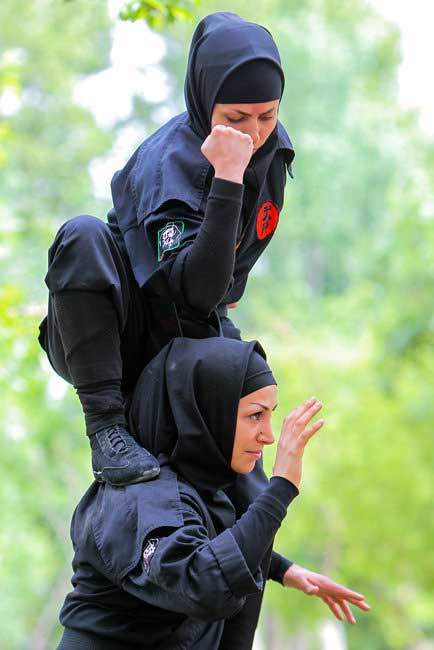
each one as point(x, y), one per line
point(203, 303)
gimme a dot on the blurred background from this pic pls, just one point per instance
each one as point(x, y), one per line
point(342, 300)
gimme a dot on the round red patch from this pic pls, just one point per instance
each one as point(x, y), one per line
point(267, 219)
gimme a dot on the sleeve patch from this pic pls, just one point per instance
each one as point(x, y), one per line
point(148, 553)
point(169, 237)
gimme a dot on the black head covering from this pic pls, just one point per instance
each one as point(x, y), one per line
point(186, 403)
point(258, 375)
point(253, 82)
point(221, 43)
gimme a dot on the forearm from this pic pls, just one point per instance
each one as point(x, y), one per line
point(209, 263)
point(255, 530)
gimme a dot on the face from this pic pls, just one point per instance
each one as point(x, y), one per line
point(253, 428)
point(258, 120)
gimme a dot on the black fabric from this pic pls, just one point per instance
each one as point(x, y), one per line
point(258, 375)
point(179, 597)
point(88, 256)
point(209, 265)
point(78, 640)
point(278, 567)
point(255, 531)
point(253, 82)
point(89, 331)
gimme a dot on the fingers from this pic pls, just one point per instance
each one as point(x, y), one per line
point(295, 424)
point(307, 434)
point(333, 607)
point(360, 604)
point(336, 606)
point(229, 131)
point(347, 611)
point(301, 415)
point(299, 410)
point(336, 590)
point(309, 413)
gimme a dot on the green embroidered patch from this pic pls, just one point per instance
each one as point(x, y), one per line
point(169, 237)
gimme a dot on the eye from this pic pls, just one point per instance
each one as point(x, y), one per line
point(255, 416)
point(266, 119)
point(234, 121)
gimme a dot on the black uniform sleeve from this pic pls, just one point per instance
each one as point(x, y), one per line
point(255, 530)
point(205, 578)
point(187, 572)
point(278, 567)
point(197, 252)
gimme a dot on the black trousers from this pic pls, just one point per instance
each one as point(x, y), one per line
point(88, 255)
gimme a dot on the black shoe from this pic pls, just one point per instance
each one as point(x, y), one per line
point(119, 460)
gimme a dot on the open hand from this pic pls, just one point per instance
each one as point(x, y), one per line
point(335, 596)
point(296, 433)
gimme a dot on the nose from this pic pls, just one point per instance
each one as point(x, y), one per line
point(254, 133)
point(266, 436)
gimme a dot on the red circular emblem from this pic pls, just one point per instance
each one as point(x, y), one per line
point(267, 219)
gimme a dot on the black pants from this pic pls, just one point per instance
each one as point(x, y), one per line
point(86, 255)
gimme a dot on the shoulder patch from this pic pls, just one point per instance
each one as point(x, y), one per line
point(169, 237)
point(267, 220)
point(148, 553)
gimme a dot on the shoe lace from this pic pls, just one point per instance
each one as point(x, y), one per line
point(115, 439)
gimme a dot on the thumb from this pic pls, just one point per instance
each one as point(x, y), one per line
point(311, 589)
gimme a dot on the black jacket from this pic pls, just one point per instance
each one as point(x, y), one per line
point(149, 571)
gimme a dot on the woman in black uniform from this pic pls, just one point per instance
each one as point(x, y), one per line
point(194, 208)
point(167, 564)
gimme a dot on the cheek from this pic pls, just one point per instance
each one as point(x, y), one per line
point(268, 129)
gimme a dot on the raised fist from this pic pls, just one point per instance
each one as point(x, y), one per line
point(229, 152)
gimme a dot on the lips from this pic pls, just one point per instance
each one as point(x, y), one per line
point(256, 454)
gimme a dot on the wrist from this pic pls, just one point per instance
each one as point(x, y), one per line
point(233, 174)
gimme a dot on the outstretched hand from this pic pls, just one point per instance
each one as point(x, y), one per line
point(335, 596)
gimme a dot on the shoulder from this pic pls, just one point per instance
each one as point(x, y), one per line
point(117, 520)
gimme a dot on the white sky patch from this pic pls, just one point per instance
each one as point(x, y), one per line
point(134, 71)
point(10, 102)
point(102, 169)
point(56, 386)
point(415, 21)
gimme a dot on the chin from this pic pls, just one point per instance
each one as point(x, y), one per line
point(246, 468)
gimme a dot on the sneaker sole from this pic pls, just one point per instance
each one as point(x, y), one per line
point(146, 476)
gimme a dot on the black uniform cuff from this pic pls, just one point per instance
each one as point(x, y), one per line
point(278, 567)
point(227, 190)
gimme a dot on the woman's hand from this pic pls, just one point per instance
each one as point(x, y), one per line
point(293, 439)
point(333, 594)
point(229, 151)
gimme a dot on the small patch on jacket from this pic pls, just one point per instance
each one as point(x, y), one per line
point(267, 219)
point(169, 237)
point(148, 553)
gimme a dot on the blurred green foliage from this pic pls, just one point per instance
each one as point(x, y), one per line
point(158, 13)
point(342, 302)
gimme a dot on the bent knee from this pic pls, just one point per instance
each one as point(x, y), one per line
point(84, 226)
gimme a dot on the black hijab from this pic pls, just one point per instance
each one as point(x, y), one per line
point(185, 409)
point(169, 165)
point(222, 43)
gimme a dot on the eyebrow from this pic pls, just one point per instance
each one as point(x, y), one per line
point(260, 115)
point(263, 406)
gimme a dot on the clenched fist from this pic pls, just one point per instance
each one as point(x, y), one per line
point(229, 151)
